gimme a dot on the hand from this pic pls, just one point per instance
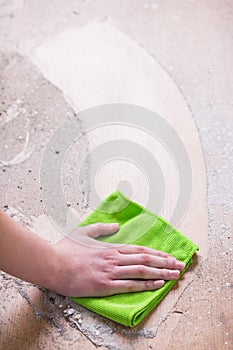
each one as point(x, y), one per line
point(93, 268)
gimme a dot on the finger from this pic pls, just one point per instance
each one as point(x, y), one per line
point(129, 286)
point(136, 249)
point(144, 272)
point(98, 229)
point(151, 260)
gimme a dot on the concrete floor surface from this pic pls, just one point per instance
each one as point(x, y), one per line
point(173, 57)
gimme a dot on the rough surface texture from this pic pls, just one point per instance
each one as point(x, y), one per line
point(193, 42)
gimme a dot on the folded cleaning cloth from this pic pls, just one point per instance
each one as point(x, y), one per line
point(138, 226)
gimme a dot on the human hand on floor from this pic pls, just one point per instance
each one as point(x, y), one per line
point(87, 267)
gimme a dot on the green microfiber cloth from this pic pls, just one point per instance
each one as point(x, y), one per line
point(138, 226)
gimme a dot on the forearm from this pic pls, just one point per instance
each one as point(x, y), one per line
point(25, 255)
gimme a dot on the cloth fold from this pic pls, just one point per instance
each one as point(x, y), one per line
point(138, 226)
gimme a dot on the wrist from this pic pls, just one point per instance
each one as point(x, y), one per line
point(50, 277)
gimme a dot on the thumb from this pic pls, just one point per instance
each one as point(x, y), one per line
point(100, 229)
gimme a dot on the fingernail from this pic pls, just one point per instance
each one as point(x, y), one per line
point(180, 265)
point(160, 283)
point(174, 274)
point(115, 225)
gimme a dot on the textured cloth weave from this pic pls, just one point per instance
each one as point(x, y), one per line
point(138, 226)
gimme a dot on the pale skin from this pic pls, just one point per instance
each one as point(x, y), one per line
point(80, 266)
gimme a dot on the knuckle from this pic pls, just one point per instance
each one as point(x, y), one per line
point(141, 270)
point(146, 259)
point(148, 284)
point(104, 284)
point(111, 257)
point(131, 285)
point(166, 263)
point(107, 269)
point(170, 262)
point(164, 273)
point(141, 250)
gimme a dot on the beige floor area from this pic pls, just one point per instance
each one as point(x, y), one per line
point(63, 63)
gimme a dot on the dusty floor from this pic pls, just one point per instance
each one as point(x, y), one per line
point(190, 45)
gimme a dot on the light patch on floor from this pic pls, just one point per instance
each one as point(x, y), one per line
point(97, 64)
